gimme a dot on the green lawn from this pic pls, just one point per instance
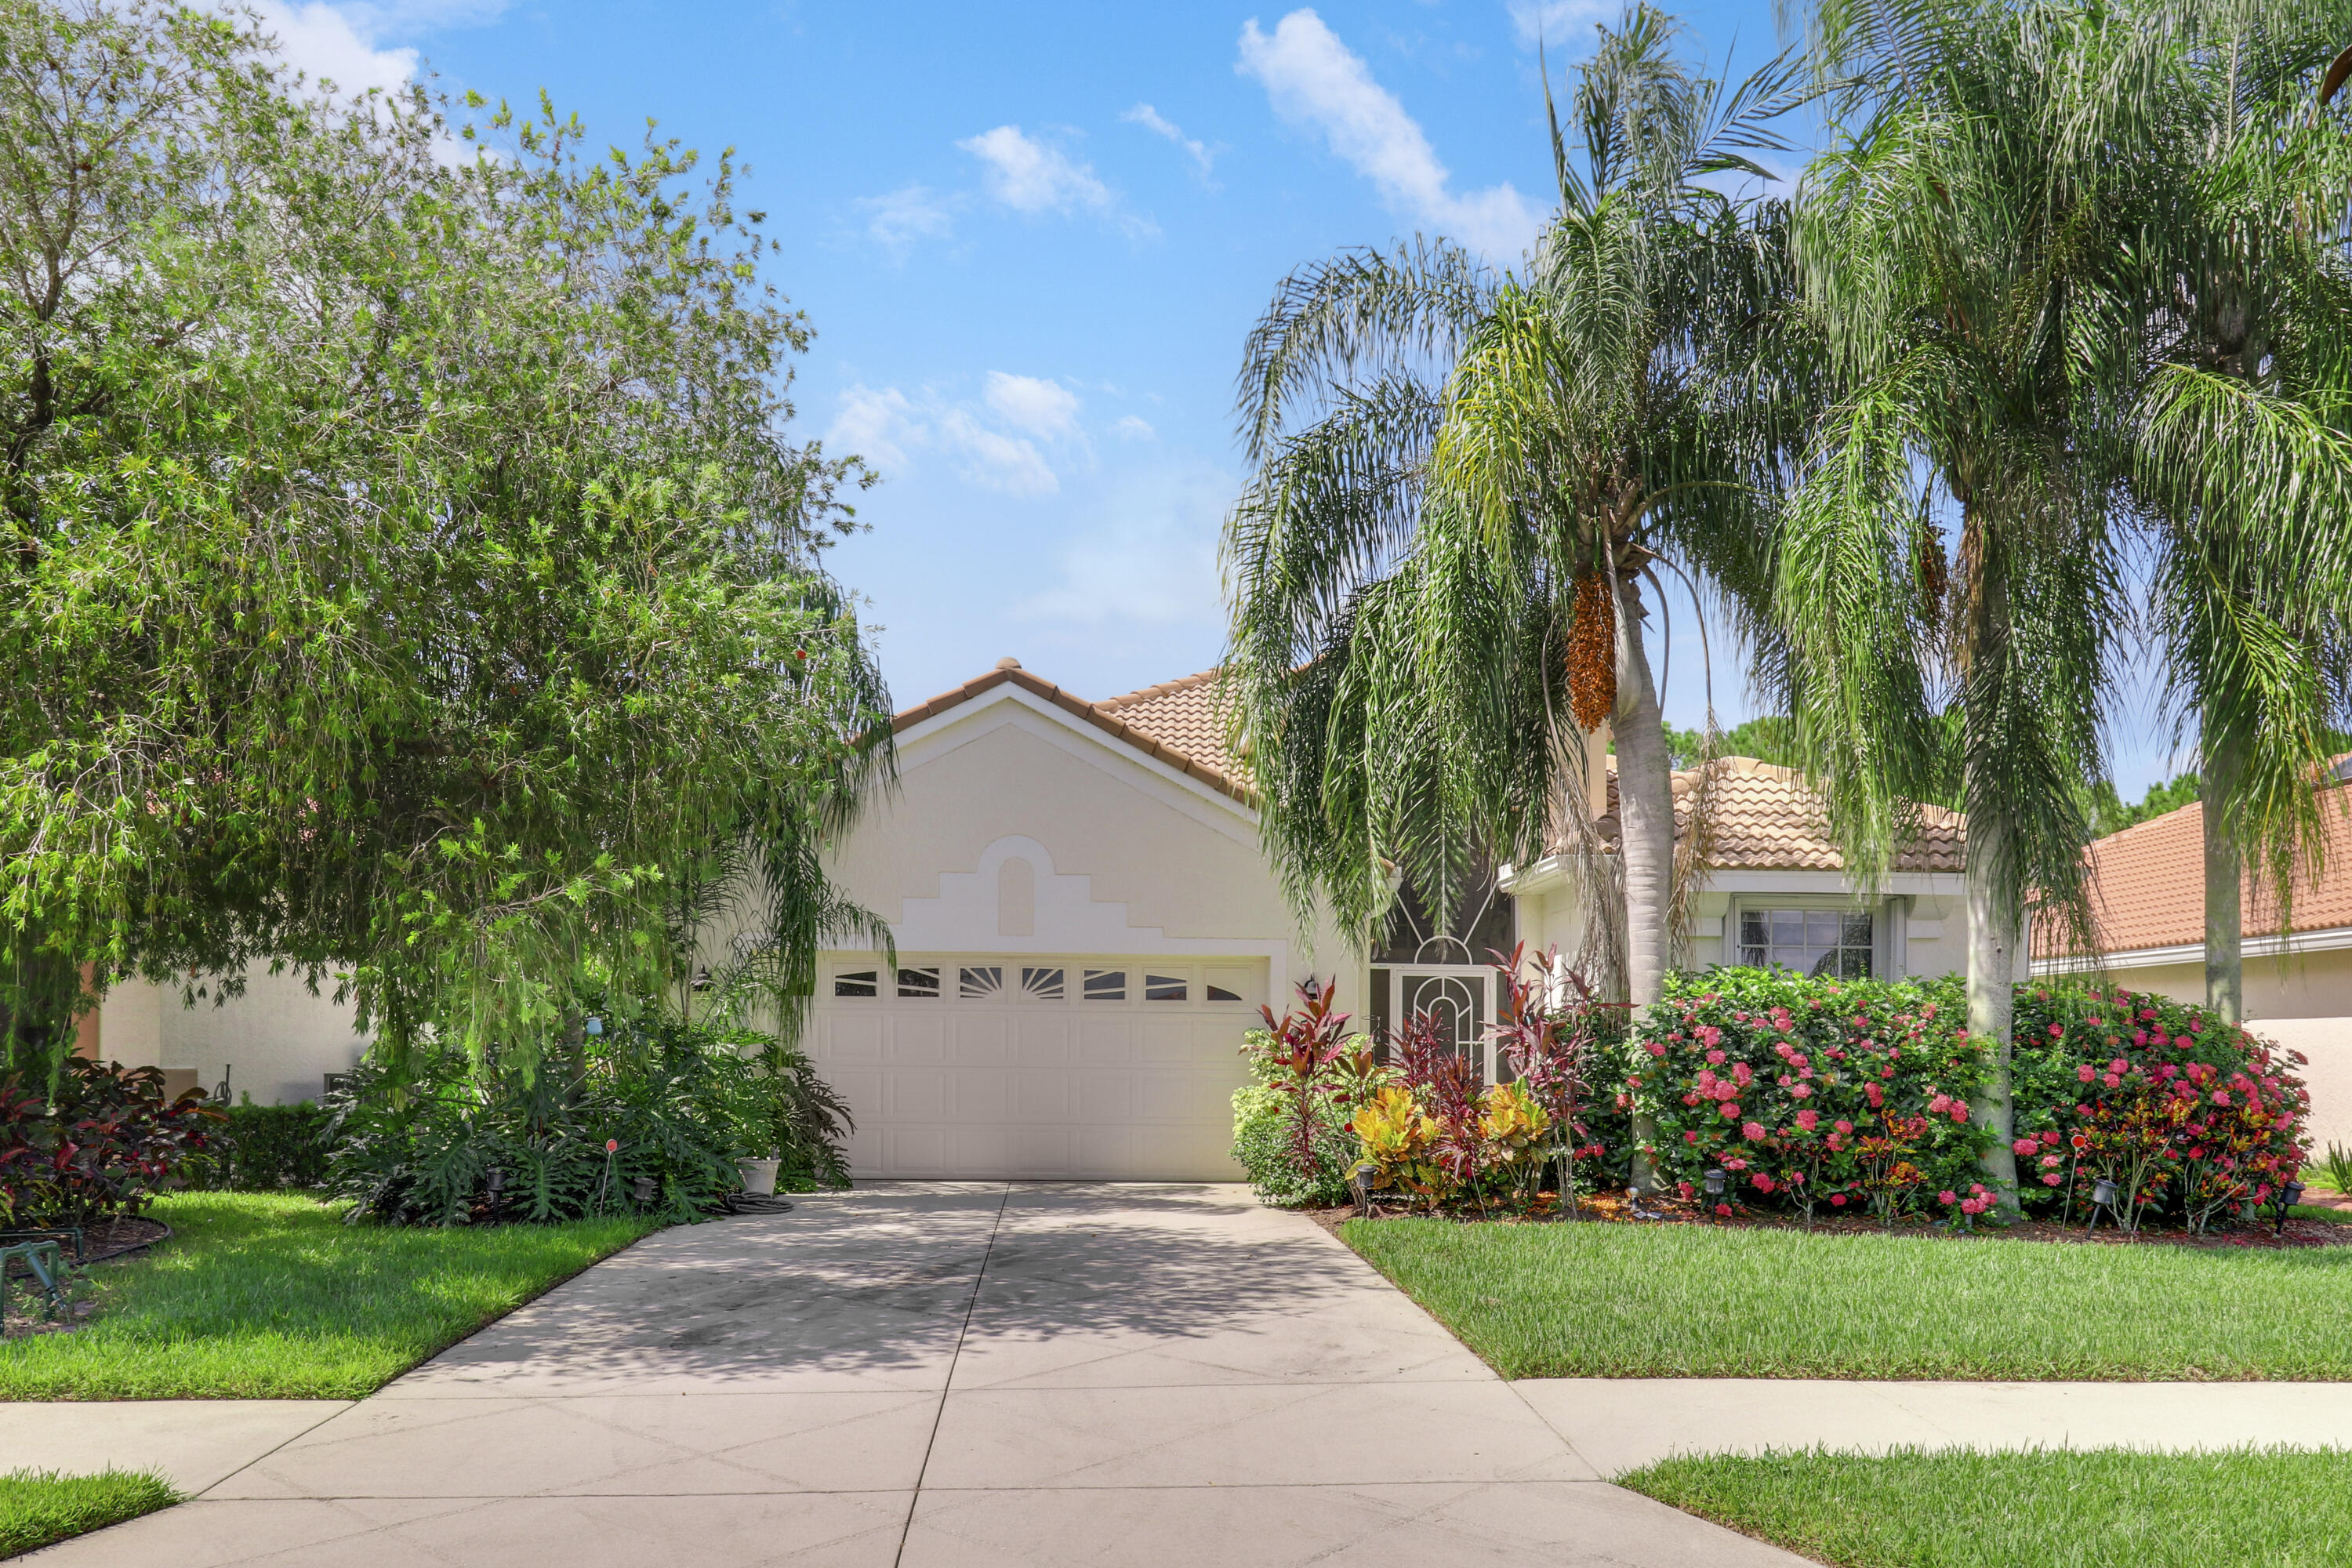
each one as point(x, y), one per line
point(264, 1296)
point(39, 1506)
point(1621, 1300)
point(2093, 1509)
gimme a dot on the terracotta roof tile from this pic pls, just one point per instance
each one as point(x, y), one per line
point(1767, 819)
point(1173, 721)
point(1181, 714)
point(2148, 883)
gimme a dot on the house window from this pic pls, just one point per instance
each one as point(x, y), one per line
point(855, 982)
point(1219, 993)
point(979, 985)
point(1106, 986)
point(923, 982)
point(1832, 942)
point(1041, 985)
point(1165, 988)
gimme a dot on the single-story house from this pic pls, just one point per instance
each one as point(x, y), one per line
point(2149, 887)
point(1086, 924)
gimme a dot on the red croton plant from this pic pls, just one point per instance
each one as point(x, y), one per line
point(104, 1145)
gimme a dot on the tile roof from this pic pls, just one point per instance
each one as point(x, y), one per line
point(1174, 722)
point(1767, 818)
point(2147, 882)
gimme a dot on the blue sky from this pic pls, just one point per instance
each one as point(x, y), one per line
point(1031, 239)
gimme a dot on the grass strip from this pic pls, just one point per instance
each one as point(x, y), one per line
point(270, 1296)
point(2104, 1508)
point(1621, 1300)
point(38, 1507)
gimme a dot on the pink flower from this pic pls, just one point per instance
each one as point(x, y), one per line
point(1809, 1120)
point(1947, 1197)
point(2220, 1097)
point(1845, 1127)
point(2024, 1146)
point(1760, 1182)
point(1683, 1190)
point(2112, 1080)
point(1801, 1091)
point(1655, 1048)
point(1877, 1097)
point(1715, 1059)
point(1743, 1072)
point(2051, 1178)
point(1837, 1200)
point(1690, 1137)
point(2120, 1065)
point(1960, 1113)
point(1724, 1210)
point(2058, 1034)
point(2049, 1161)
point(1731, 1112)
point(1940, 1104)
point(1753, 1131)
point(2086, 1072)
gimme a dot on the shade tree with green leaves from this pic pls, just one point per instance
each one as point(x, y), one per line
point(1469, 491)
point(408, 573)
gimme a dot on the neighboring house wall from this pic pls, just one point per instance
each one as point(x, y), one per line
point(276, 1041)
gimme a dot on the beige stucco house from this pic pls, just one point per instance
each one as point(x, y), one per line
point(2148, 884)
point(1086, 924)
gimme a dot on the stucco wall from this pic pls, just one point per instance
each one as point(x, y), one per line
point(1185, 865)
point(276, 1042)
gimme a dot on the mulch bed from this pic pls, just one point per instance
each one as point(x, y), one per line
point(1612, 1208)
point(116, 1238)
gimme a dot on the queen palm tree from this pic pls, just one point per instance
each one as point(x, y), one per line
point(2242, 460)
point(1467, 488)
point(1964, 243)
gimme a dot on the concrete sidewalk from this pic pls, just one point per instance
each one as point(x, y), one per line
point(935, 1375)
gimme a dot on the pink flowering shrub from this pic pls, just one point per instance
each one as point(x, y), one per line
point(1789, 1084)
point(2195, 1118)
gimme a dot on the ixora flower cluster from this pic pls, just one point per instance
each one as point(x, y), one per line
point(1847, 1097)
point(2192, 1117)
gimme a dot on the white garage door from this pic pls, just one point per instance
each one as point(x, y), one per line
point(1110, 1068)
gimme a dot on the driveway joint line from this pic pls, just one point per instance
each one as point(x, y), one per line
point(291, 1438)
point(1003, 1201)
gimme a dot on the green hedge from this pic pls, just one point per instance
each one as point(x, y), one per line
point(267, 1147)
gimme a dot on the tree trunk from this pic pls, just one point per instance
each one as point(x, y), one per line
point(2219, 766)
point(1993, 988)
point(1996, 900)
point(1645, 828)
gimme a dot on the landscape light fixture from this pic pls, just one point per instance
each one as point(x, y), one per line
point(1715, 1179)
point(2102, 1197)
point(2289, 1195)
point(645, 1189)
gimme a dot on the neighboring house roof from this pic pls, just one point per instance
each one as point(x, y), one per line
point(1767, 818)
point(2147, 884)
point(1174, 722)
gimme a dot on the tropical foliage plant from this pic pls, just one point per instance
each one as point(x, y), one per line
point(1310, 1075)
point(97, 1140)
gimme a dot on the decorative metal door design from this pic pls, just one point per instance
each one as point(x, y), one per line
point(1461, 996)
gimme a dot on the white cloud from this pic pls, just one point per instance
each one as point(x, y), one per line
point(1040, 408)
point(1312, 77)
point(1131, 428)
point(337, 46)
point(876, 425)
point(907, 214)
point(1151, 119)
point(1150, 556)
point(1557, 22)
point(1033, 177)
point(996, 461)
point(985, 443)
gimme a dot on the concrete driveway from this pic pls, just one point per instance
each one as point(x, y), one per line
point(935, 1374)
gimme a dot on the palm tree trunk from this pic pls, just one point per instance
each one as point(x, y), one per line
point(1995, 900)
point(2224, 934)
point(1645, 827)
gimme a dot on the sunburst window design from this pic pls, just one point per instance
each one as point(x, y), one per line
point(980, 984)
point(1041, 985)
